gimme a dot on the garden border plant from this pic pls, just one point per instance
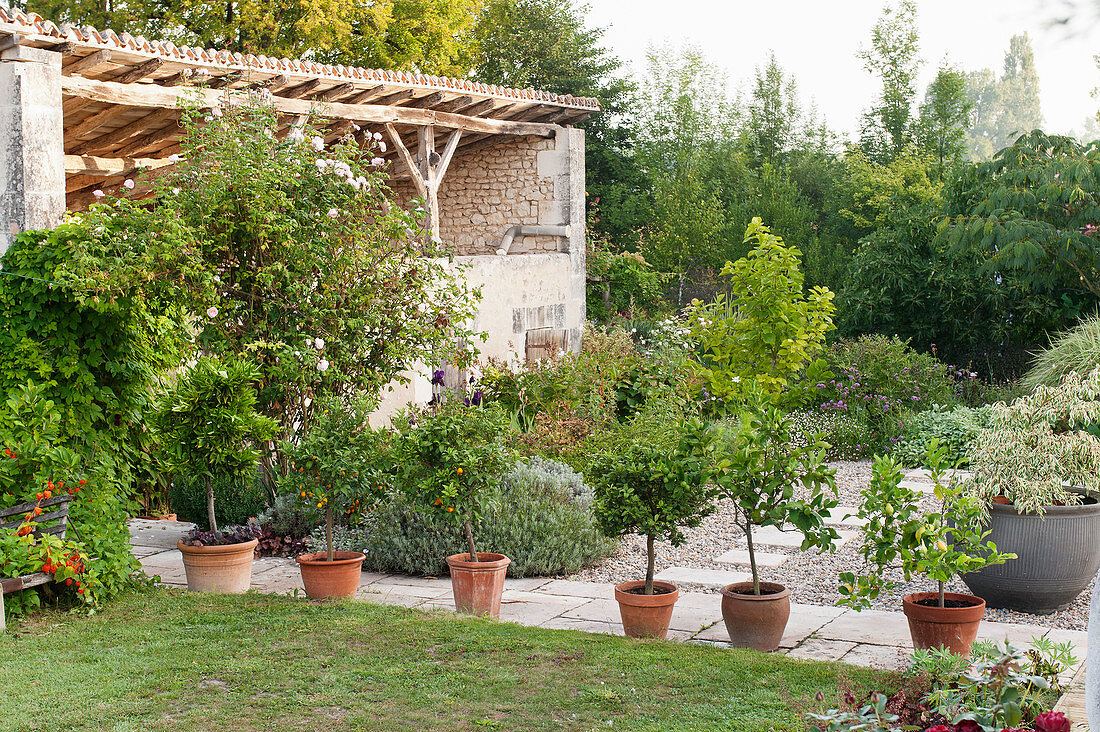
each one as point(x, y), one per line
point(654, 491)
point(447, 457)
point(208, 425)
point(938, 544)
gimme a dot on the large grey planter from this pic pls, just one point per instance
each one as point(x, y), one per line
point(1057, 556)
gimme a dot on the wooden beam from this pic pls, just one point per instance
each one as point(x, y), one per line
point(428, 159)
point(153, 95)
point(225, 80)
point(329, 95)
point(139, 72)
point(279, 80)
point(448, 153)
point(106, 167)
point(115, 138)
point(10, 40)
point(407, 159)
point(172, 80)
point(366, 96)
point(89, 62)
point(426, 101)
point(454, 105)
point(301, 90)
point(477, 108)
point(95, 121)
point(395, 97)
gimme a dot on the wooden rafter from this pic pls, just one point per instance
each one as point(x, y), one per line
point(331, 95)
point(95, 121)
point(89, 62)
point(426, 101)
point(139, 72)
point(117, 138)
point(301, 90)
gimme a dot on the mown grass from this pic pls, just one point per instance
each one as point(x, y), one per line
point(170, 660)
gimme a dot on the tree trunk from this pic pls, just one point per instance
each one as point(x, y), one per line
point(210, 505)
point(328, 530)
point(752, 559)
point(941, 594)
point(267, 468)
point(469, 530)
point(652, 556)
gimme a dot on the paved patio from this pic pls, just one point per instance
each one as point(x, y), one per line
point(869, 638)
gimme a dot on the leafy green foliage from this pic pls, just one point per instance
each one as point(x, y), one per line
point(938, 545)
point(954, 429)
point(871, 717)
point(773, 481)
point(238, 500)
point(208, 425)
point(448, 456)
point(769, 330)
point(1032, 210)
point(654, 492)
point(539, 516)
point(36, 466)
point(432, 38)
point(621, 283)
point(1039, 444)
point(339, 466)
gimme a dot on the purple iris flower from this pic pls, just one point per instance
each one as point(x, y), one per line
point(437, 377)
point(477, 398)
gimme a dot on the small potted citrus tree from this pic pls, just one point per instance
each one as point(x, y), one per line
point(337, 469)
point(772, 482)
point(649, 490)
point(208, 426)
point(938, 544)
point(448, 457)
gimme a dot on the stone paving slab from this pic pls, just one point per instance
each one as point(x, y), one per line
point(163, 560)
point(706, 577)
point(819, 649)
point(892, 658)
point(845, 516)
point(804, 621)
point(529, 608)
point(604, 591)
point(158, 534)
point(878, 627)
point(741, 556)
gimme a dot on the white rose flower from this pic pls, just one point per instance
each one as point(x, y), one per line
point(319, 343)
point(128, 183)
point(211, 312)
point(317, 143)
point(322, 365)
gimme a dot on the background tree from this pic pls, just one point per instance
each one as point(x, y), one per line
point(1018, 91)
point(431, 36)
point(774, 113)
point(944, 118)
point(887, 129)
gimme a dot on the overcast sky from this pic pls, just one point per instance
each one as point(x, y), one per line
point(818, 42)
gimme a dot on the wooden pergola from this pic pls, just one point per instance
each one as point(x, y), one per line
point(122, 101)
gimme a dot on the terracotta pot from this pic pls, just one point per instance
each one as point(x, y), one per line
point(226, 569)
point(477, 586)
point(953, 628)
point(756, 621)
point(646, 616)
point(338, 578)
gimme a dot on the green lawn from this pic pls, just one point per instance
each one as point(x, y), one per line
point(169, 660)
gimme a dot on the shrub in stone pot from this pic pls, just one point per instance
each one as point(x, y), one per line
point(653, 491)
point(938, 545)
point(447, 458)
point(207, 425)
point(1036, 470)
point(772, 482)
point(337, 470)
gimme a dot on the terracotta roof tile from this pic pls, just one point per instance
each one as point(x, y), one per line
point(37, 25)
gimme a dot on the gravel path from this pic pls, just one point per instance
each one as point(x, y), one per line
point(812, 577)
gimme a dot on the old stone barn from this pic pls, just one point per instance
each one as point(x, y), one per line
point(501, 170)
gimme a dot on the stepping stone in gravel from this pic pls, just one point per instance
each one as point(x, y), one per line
point(708, 577)
point(771, 536)
point(837, 515)
point(741, 556)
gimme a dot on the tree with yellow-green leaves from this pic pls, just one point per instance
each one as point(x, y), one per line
point(431, 36)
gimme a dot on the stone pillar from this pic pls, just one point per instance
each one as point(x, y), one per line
point(566, 163)
point(1092, 663)
point(32, 145)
